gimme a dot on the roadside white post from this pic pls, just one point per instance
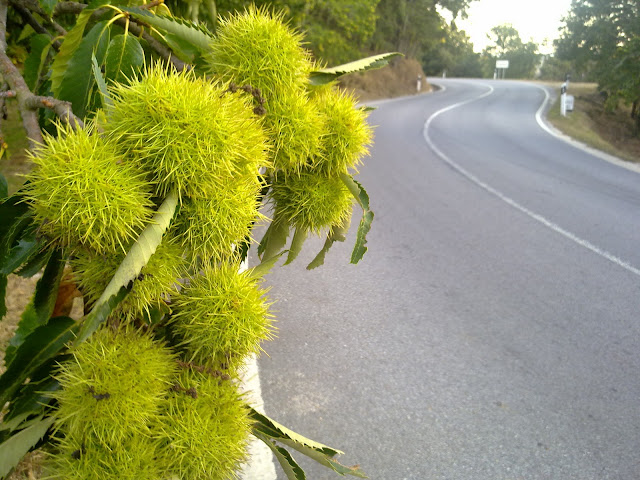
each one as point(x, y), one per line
point(563, 99)
point(419, 84)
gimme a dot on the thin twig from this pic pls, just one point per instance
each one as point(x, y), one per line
point(61, 108)
point(8, 94)
point(31, 20)
point(150, 5)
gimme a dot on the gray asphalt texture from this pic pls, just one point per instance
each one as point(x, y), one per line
point(472, 341)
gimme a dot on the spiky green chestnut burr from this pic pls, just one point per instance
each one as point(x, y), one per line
point(205, 426)
point(189, 133)
point(131, 458)
point(221, 317)
point(157, 281)
point(346, 135)
point(311, 201)
point(208, 228)
point(294, 125)
point(257, 48)
point(84, 194)
point(113, 386)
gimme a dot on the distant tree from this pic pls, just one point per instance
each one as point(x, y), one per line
point(453, 54)
point(507, 45)
point(601, 37)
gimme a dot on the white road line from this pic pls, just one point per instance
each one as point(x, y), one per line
point(535, 216)
point(260, 465)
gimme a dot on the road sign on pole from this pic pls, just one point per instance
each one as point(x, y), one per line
point(502, 63)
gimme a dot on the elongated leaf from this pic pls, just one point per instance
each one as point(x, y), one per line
point(275, 238)
point(186, 51)
point(99, 314)
point(134, 261)
point(362, 198)
point(296, 245)
point(273, 429)
point(191, 33)
point(71, 42)
point(125, 57)
point(43, 343)
point(4, 188)
point(33, 397)
point(336, 234)
point(267, 427)
point(34, 264)
point(32, 63)
point(326, 75)
point(26, 247)
point(3, 295)
point(265, 266)
point(291, 469)
point(78, 81)
point(48, 6)
point(17, 446)
point(41, 306)
point(100, 82)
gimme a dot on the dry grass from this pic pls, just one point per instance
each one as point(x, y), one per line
point(614, 133)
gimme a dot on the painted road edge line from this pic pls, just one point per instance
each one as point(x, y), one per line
point(488, 188)
point(551, 130)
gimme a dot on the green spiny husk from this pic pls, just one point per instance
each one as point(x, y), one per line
point(208, 228)
point(131, 458)
point(221, 316)
point(187, 132)
point(205, 428)
point(157, 281)
point(257, 48)
point(346, 135)
point(113, 387)
point(84, 194)
point(294, 125)
point(311, 201)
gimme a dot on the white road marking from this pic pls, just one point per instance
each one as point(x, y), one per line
point(535, 216)
point(260, 465)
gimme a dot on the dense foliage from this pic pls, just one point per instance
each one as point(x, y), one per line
point(601, 40)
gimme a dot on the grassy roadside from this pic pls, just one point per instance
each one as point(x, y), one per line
point(589, 123)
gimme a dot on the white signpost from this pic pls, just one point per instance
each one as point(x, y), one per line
point(501, 67)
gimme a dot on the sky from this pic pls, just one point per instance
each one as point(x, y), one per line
point(535, 20)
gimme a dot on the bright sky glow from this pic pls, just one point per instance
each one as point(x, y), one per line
point(536, 20)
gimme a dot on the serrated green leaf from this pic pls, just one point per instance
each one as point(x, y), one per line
point(192, 33)
point(324, 459)
point(361, 196)
point(78, 81)
point(71, 42)
point(275, 238)
point(265, 266)
point(16, 447)
point(34, 264)
point(41, 306)
point(185, 50)
point(102, 85)
point(23, 250)
point(33, 397)
point(135, 260)
point(43, 344)
point(297, 242)
point(326, 75)
point(336, 234)
point(125, 57)
point(48, 6)
point(279, 432)
point(33, 64)
point(290, 467)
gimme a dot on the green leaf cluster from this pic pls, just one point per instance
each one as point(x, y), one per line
point(151, 203)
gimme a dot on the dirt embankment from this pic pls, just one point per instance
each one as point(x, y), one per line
point(397, 79)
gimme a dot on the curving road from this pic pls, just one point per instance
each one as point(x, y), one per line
point(492, 331)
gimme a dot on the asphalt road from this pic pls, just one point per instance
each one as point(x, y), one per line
point(492, 330)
